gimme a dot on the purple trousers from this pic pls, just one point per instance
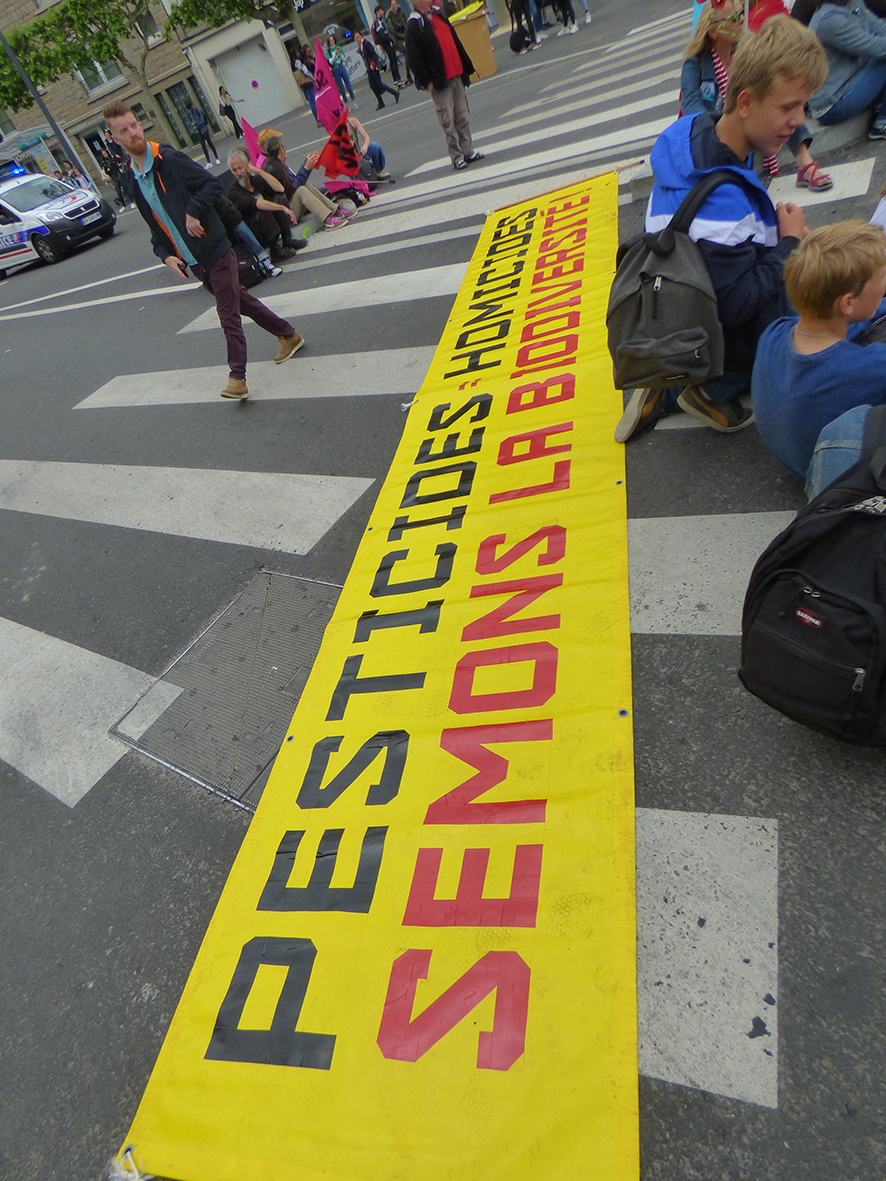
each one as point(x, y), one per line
point(234, 301)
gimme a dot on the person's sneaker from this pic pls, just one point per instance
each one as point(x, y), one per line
point(289, 346)
point(562, 32)
point(474, 157)
point(267, 268)
point(334, 221)
point(542, 36)
point(384, 175)
point(396, 97)
point(236, 388)
point(572, 28)
point(641, 414)
point(719, 416)
point(532, 45)
point(346, 213)
point(877, 131)
point(218, 161)
point(587, 18)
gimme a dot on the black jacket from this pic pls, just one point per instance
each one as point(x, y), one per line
point(185, 188)
point(425, 57)
point(748, 278)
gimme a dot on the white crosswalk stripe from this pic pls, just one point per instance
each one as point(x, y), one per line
point(570, 127)
point(57, 701)
point(265, 510)
point(388, 371)
point(357, 293)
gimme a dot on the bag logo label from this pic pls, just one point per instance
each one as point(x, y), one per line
point(874, 504)
point(809, 617)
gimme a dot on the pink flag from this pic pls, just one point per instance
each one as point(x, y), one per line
point(326, 96)
point(256, 155)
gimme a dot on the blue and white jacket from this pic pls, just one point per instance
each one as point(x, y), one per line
point(736, 230)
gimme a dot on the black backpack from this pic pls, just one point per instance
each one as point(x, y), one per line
point(248, 270)
point(519, 38)
point(662, 316)
point(814, 623)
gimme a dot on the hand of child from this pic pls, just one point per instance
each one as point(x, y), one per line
point(791, 220)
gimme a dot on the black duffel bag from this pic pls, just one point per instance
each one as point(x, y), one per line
point(814, 622)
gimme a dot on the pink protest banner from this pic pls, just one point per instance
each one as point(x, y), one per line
point(250, 135)
point(326, 96)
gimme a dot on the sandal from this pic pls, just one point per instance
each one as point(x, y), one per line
point(809, 177)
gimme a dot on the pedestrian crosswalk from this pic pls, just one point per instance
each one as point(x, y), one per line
point(700, 513)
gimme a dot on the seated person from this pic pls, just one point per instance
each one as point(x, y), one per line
point(705, 74)
point(813, 383)
point(301, 196)
point(252, 193)
point(368, 147)
point(855, 41)
point(744, 240)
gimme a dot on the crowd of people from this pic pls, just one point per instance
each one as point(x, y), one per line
point(800, 309)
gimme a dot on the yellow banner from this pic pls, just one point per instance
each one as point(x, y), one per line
point(422, 966)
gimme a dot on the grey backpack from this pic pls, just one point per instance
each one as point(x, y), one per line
point(662, 315)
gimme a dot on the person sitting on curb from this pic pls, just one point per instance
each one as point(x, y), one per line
point(252, 192)
point(368, 147)
point(705, 74)
point(301, 196)
point(854, 40)
point(744, 239)
point(814, 381)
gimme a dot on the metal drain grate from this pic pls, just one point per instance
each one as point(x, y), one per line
point(239, 684)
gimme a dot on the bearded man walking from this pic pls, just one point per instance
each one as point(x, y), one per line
point(177, 199)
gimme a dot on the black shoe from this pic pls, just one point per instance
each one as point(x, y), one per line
point(380, 107)
point(459, 165)
point(726, 417)
point(396, 97)
point(641, 414)
point(474, 157)
point(877, 131)
point(294, 243)
point(282, 254)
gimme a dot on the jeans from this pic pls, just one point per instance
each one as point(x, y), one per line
point(837, 449)
point(232, 301)
point(204, 141)
point(866, 89)
point(308, 92)
point(245, 234)
point(375, 156)
point(343, 82)
point(378, 87)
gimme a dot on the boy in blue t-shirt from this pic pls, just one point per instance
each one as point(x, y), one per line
point(813, 382)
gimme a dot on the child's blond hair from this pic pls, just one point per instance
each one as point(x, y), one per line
point(782, 49)
point(833, 261)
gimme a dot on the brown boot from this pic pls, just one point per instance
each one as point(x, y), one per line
point(289, 346)
point(236, 388)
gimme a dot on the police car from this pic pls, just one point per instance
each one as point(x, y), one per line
point(43, 218)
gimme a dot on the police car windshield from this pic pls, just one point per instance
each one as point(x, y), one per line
point(34, 193)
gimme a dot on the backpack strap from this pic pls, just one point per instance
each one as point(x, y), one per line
point(663, 242)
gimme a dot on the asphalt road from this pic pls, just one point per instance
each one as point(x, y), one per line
point(105, 902)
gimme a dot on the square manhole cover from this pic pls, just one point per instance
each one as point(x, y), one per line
point(238, 686)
